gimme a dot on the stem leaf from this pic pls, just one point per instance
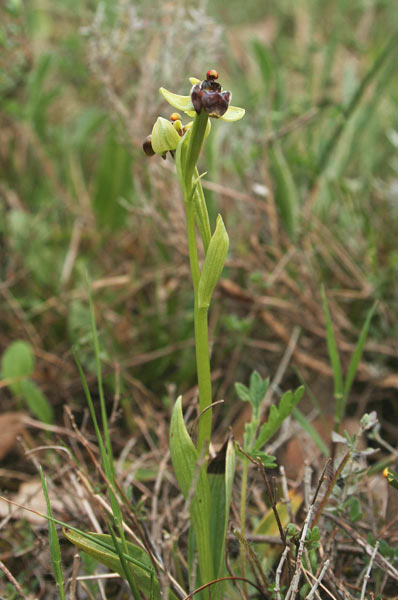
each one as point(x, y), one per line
point(214, 264)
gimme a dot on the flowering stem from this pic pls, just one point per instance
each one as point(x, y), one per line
point(194, 146)
point(204, 376)
point(200, 314)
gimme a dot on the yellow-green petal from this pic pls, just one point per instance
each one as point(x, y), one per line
point(164, 136)
point(179, 102)
point(194, 80)
point(234, 113)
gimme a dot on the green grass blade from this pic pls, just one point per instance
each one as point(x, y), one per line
point(104, 415)
point(104, 456)
point(285, 190)
point(124, 565)
point(314, 435)
point(55, 550)
point(116, 510)
point(334, 360)
point(357, 354)
point(384, 55)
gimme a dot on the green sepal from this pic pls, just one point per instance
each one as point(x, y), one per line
point(214, 264)
point(164, 136)
point(234, 113)
point(183, 103)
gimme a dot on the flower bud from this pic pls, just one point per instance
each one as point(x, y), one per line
point(147, 146)
point(164, 136)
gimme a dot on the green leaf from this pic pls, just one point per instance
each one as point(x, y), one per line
point(140, 563)
point(334, 359)
point(285, 190)
point(17, 362)
point(185, 460)
point(312, 539)
point(268, 460)
point(220, 473)
point(312, 432)
point(121, 548)
point(55, 550)
point(112, 181)
point(355, 512)
point(214, 264)
point(258, 389)
point(36, 401)
point(277, 416)
point(201, 213)
point(243, 392)
point(264, 61)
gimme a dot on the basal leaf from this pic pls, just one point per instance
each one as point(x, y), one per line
point(141, 565)
point(185, 461)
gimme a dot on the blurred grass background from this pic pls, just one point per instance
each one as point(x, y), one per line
point(307, 184)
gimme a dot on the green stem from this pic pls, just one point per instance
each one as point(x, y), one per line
point(243, 500)
point(194, 145)
point(192, 246)
point(200, 315)
point(204, 376)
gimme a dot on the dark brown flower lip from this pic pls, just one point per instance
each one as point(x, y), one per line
point(209, 97)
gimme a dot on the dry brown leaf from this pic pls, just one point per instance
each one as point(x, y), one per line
point(11, 425)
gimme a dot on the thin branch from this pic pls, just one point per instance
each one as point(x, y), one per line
point(318, 580)
point(368, 570)
point(277, 587)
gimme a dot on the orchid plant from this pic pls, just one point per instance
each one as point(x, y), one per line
point(185, 142)
point(210, 499)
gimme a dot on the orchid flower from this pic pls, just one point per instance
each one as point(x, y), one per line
point(206, 95)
